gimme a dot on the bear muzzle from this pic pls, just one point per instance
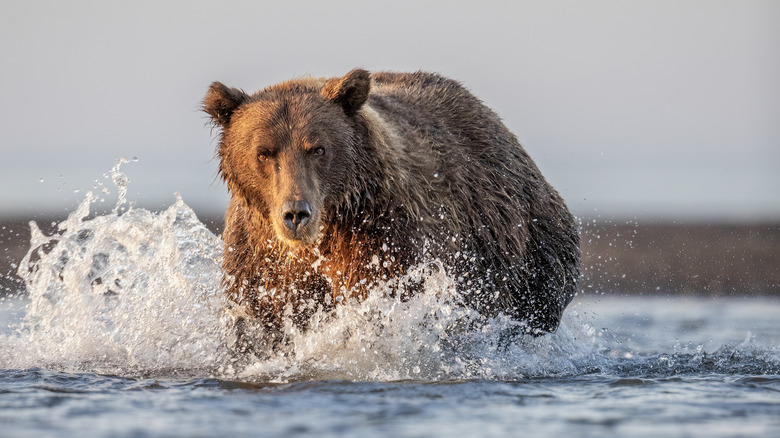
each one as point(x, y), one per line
point(295, 215)
point(297, 224)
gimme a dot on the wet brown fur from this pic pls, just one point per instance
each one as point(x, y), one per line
point(414, 167)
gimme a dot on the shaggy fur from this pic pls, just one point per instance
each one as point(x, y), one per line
point(392, 169)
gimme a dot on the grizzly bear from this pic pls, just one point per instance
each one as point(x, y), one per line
point(337, 184)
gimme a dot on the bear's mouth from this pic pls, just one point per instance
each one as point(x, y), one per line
point(299, 239)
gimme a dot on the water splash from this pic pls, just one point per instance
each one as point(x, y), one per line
point(130, 289)
point(428, 337)
point(120, 181)
point(135, 292)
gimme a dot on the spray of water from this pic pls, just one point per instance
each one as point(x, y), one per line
point(134, 292)
point(129, 289)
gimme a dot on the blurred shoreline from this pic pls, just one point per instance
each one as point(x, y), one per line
point(619, 258)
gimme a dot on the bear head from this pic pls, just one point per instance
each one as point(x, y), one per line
point(290, 152)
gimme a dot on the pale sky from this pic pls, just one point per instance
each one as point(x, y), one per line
point(656, 109)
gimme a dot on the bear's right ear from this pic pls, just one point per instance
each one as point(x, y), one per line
point(349, 91)
point(221, 101)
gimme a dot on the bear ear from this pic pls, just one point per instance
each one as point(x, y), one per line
point(221, 101)
point(349, 91)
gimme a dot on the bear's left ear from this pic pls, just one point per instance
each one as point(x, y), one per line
point(350, 91)
point(220, 102)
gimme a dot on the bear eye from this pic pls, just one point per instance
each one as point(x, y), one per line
point(262, 157)
point(318, 151)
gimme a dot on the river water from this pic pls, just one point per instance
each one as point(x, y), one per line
point(122, 332)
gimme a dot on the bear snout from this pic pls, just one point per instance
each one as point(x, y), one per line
point(295, 215)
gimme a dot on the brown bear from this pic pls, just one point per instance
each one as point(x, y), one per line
point(339, 183)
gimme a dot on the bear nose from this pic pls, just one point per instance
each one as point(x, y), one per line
point(296, 214)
